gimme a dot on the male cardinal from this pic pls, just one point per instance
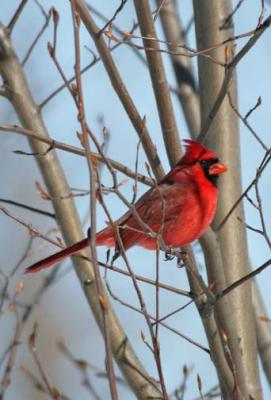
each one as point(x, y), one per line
point(180, 208)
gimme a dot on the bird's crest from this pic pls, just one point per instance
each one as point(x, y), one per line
point(195, 151)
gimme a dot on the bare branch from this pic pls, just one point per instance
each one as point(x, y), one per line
point(121, 90)
point(118, 10)
point(244, 120)
point(244, 279)
point(16, 16)
point(263, 165)
point(228, 76)
point(37, 38)
point(75, 150)
point(29, 208)
point(187, 90)
point(159, 82)
point(54, 393)
point(152, 318)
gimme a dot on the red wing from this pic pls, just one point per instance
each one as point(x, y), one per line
point(158, 206)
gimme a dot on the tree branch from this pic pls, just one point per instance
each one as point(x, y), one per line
point(54, 144)
point(119, 87)
point(228, 76)
point(187, 90)
point(159, 82)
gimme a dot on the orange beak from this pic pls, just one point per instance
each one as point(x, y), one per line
point(217, 168)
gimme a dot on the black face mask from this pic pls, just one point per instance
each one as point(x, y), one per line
point(206, 164)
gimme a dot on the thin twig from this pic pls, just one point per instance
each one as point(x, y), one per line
point(258, 103)
point(95, 60)
point(83, 367)
point(260, 210)
point(16, 16)
point(54, 394)
point(121, 90)
point(244, 120)
point(32, 231)
point(29, 208)
point(152, 318)
point(229, 20)
point(263, 165)
point(38, 36)
point(12, 350)
point(228, 75)
point(118, 10)
point(75, 150)
point(244, 279)
point(179, 392)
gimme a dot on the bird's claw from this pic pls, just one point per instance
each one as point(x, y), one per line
point(181, 259)
point(115, 256)
point(169, 256)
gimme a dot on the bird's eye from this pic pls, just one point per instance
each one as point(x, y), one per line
point(207, 163)
point(204, 163)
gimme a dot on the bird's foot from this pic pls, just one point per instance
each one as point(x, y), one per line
point(115, 256)
point(182, 258)
point(169, 255)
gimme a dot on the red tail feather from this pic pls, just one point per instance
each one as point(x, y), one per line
point(57, 257)
point(103, 238)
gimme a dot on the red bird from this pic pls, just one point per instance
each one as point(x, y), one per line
point(180, 208)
